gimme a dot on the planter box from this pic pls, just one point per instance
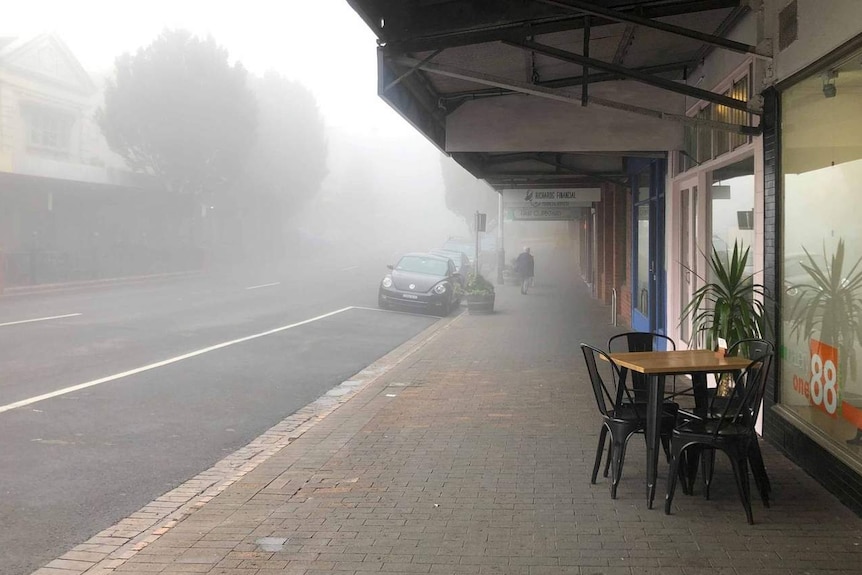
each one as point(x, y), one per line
point(480, 304)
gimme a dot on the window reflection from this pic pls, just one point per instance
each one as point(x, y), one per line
point(821, 303)
point(732, 194)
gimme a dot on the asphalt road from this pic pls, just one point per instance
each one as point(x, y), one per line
point(78, 462)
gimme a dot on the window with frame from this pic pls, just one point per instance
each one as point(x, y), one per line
point(820, 372)
point(48, 129)
point(703, 143)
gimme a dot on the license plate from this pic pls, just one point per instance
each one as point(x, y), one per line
point(409, 296)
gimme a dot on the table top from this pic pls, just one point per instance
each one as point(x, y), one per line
point(678, 362)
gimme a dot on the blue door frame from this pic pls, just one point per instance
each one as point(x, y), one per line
point(649, 294)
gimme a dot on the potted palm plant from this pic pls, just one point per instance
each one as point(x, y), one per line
point(480, 294)
point(830, 308)
point(729, 305)
point(831, 304)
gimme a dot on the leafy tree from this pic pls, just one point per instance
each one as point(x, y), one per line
point(465, 194)
point(177, 109)
point(288, 160)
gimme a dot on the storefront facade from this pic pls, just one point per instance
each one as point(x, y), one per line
point(816, 411)
point(791, 194)
point(715, 182)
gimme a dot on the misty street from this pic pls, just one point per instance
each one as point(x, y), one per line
point(76, 463)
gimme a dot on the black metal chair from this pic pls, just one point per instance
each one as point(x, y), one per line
point(622, 416)
point(731, 430)
point(753, 348)
point(642, 341)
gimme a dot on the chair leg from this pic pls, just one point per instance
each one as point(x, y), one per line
point(617, 464)
point(665, 445)
point(758, 470)
point(683, 473)
point(677, 454)
point(739, 462)
point(608, 460)
point(707, 464)
point(602, 436)
point(690, 461)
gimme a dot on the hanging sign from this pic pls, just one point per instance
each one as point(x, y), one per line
point(551, 198)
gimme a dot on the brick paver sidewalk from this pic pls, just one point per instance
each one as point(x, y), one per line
point(472, 455)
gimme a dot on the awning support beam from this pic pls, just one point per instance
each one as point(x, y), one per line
point(591, 8)
point(560, 96)
point(642, 77)
point(564, 82)
point(406, 74)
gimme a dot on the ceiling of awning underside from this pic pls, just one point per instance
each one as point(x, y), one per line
point(511, 69)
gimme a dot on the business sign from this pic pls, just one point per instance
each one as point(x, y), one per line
point(552, 198)
point(544, 214)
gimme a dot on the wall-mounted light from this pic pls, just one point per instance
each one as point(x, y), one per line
point(829, 89)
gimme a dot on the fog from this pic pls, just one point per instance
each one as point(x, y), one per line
point(382, 192)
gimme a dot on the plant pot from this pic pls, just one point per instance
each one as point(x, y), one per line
point(478, 304)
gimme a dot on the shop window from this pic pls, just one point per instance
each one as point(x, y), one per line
point(732, 195)
point(704, 136)
point(741, 91)
point(689, 152)
point(820, 375)
point(702, 143)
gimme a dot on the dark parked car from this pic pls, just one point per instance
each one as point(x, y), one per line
point(487, 250)
point(421, 282)
point(462, 262)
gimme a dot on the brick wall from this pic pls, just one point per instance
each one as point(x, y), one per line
point(625, 289)
point(613, 248)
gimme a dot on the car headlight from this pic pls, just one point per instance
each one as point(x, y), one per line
point(440, 288)
point(387, 282)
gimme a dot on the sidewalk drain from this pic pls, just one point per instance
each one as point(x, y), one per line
point(271, 544)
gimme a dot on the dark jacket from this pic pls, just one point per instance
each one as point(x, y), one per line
point(524, 265)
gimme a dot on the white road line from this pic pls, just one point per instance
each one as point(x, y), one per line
point(80, 386)
point(39, 319)
point(350, 268)
point(264, 285)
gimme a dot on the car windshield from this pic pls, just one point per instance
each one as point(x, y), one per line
point(422, 265)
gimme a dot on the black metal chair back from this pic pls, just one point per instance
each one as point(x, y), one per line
point(743, 405)
point(752, 348)
point(608, 390)
point(640, 341)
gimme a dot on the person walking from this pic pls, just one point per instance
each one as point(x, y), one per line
point(524, 267)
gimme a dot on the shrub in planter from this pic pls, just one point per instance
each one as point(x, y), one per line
point(480, 294)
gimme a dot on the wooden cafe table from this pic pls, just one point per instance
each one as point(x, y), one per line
point(658, 364)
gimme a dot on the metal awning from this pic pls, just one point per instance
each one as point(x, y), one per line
point(503, 85)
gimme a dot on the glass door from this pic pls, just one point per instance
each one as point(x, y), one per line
point(648, 271)
point(688, 272)
point(644, 268)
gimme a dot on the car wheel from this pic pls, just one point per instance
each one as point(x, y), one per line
point(382, 303)
point(444, 311)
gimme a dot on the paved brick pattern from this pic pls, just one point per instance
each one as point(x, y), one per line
point(472, 456)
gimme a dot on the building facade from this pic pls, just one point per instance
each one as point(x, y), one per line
point(791, 194)
point(69, 208)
